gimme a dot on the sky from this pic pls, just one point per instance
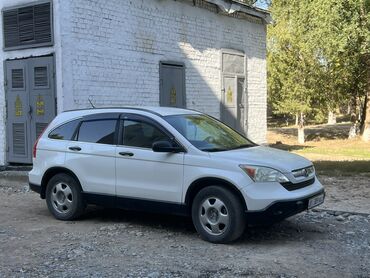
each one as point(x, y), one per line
point(261, 4)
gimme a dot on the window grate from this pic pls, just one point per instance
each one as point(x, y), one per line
point(28, 26)
point(40, 76)
point(19, 139)
point(17, 79)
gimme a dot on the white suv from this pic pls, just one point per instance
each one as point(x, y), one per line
point(169, 160)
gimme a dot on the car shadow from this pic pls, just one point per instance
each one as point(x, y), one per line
point(317, 133)
point(291, 229)
point(173, 223)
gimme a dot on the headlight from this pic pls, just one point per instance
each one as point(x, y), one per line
point(264, 174)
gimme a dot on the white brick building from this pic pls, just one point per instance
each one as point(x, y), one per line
point(58, 55)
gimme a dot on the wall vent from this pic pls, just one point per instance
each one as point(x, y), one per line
point(28, 26)
point(41, 76)
point(17, 79)
point(19, 139)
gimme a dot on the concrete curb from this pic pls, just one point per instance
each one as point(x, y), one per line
point(339, 212)
point(13, 178)
point(15, 168)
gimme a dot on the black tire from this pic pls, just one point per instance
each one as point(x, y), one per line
point(64, 197)
point(230, 205)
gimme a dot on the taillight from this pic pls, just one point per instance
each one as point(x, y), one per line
point(34, 150)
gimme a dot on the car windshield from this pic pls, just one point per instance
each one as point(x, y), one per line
point(207, 133)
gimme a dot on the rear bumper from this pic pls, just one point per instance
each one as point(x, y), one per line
point(280, 210)
point(35, 187)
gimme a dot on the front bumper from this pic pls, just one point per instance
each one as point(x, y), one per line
point(259, 195)
point(280, 210)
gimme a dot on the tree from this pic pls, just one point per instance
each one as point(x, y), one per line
point(342, 36)
point(293, 69)
point(365, 55)
point(317, 55)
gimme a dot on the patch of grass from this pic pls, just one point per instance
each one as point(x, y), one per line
point(326, 147)
point(338, 149)
point(344, 168)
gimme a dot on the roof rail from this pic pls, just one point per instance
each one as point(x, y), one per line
point(122, 107)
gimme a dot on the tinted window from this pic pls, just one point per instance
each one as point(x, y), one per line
point(64, 132)
point(101, 131)
point(141, 134)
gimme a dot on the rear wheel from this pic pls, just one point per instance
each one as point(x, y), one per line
point(218, 215)
point(64, 198)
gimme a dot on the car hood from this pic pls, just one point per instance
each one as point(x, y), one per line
point(265, 156)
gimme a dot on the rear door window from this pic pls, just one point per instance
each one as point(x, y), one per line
point(99, 131)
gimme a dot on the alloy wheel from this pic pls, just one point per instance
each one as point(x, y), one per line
point(214, 216)
point(62, 197)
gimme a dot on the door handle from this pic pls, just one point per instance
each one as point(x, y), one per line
point(30, 111)
point(126, 154)
point(77, 149)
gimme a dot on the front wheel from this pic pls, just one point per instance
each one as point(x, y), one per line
point(64, 198)
point(218, 215)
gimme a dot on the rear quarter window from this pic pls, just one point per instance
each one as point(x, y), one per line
point(65, 131)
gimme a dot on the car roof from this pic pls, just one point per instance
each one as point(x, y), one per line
point(159, 111)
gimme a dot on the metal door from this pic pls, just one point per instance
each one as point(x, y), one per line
point(172, 85)
point(18, 125)
point(233, 89)
point(233, 97)
point(30, 104)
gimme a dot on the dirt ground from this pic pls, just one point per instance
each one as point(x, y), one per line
point(334, 242)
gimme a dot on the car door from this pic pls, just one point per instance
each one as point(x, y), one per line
point(141, 172)
point(91, 156)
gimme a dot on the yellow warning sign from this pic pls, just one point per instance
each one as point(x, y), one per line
point(18, 107)
point(40, 106)
point(229, 95)
point(173, 96)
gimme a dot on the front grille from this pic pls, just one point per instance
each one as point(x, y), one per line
point(304, 172)
point(294, 186)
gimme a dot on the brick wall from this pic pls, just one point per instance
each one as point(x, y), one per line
point(111, 52)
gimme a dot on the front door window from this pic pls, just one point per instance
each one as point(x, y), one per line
point(141, 134)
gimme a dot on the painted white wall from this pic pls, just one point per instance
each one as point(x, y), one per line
point(110, 51)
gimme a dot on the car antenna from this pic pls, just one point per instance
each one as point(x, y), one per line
point(92, 105)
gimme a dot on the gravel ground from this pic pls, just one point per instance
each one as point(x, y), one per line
point(115, 243)
point(347, 193)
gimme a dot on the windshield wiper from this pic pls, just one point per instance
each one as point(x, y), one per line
point(214, 150)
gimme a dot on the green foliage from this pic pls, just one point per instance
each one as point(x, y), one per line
point(317, 54)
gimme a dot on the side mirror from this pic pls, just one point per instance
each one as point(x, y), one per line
point(165, 147)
